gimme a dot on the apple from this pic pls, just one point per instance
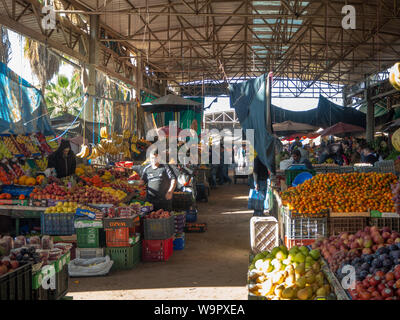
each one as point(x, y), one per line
point(391, 283)
point(381, 286)
point(390, 241)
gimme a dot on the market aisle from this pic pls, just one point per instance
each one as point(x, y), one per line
point(213, 264)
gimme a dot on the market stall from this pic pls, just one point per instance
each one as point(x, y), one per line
point(347, 220)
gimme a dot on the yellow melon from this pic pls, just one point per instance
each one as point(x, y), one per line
point(31, 181)
point(22, 180)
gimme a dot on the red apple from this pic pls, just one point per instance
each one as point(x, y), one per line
point(386, 293)
point(375, 280)
point(390, 283)
point(381, 286)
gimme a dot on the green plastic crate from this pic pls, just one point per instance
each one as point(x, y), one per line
point(125, 257)
point(88, 237)
point(292, 174)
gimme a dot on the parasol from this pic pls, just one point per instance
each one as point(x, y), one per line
point(171, 103)
point(341, 128)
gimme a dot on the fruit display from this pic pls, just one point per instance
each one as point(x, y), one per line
point(4, 152)
point(160, 214)
point(10, 145)
point(345, 247)
point(124, 186)
point(396, 197)
point(51, 191)
point(27, 145)
point(42, 163)
point(41, 142)
point(91, 195)
point(18, 170)
point(349, 192)
point(284, 274)
point(378, 286)
point(63, 207)
point(118, 194)
point(6, 177)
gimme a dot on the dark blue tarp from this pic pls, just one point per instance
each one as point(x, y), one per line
point(325, 115)
point(249, 101)
point(21, 105)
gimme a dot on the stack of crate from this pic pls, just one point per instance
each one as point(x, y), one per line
point(158, 239)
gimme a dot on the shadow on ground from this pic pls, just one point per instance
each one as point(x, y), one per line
point(217, 258)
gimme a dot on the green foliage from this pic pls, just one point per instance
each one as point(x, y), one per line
point(63, 95)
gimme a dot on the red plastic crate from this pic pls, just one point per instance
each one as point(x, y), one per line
point(298, 242)
point(157, 250)
point(117, 238)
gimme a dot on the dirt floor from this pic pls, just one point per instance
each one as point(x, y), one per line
point(213, 264)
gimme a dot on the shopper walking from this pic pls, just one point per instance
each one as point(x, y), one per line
point(260, 177)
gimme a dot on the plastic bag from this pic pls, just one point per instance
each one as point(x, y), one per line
point(65, 247)
point(19, 242)
point(90, 267)
point(47, 242)
point(7, 244)
point(257, 200)
point(34, 240)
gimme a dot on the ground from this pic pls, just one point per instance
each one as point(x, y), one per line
point(213, 264)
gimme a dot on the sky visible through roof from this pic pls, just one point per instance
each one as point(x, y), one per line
point(21, 66)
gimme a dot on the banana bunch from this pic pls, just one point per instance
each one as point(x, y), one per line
point(108, 146)
point(116, 139)
point(134, 149)
point(85, 151)
point(94, 154)
point(104, 133)
point(126, 134)
point(125, 148)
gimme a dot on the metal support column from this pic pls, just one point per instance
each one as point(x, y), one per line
point(93, 50)
point(268, 112)
point(370, 117)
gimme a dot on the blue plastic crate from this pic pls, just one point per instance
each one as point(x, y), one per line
point(16, 191)
point(179, 243)
point(61, 224)
point(191, 215)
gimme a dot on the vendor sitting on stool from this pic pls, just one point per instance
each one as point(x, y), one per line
point(161, 183)
point(63, 160)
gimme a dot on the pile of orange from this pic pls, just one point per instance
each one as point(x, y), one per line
point(350, 192)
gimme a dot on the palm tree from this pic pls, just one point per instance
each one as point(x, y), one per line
point(44, 65)
point(5, 46)
point(63, 95)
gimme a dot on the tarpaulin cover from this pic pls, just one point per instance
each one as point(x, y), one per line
point(21, 105)
point(325, 115)
point(249, 101)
